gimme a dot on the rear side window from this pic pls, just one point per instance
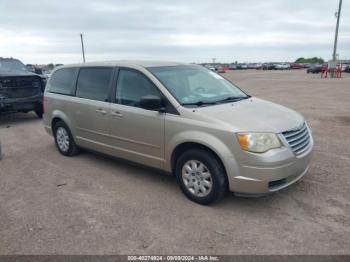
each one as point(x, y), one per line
point(93, 83)
point(62, 81)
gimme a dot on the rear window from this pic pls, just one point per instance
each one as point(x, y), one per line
point(62, 81)
point(93, 83)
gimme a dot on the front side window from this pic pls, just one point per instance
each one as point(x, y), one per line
point(93, 83)
point(196, 85)
point(131, 86)
point(62, 81)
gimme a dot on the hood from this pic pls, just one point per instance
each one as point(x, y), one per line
point(253, 115)
point(4, 73)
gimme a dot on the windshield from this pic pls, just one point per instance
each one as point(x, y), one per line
point(11, 65)
point(196, 85)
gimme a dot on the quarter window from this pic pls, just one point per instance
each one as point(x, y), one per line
point(93, 83)
point(131, 86)
point(62, 81)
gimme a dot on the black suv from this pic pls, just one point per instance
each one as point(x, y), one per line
point(314, 69)
point(20, 90)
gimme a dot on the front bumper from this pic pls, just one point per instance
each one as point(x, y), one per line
point(20, 104)
point(272, 186)
point(274, 170)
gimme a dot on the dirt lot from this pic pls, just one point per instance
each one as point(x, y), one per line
point(91, 204)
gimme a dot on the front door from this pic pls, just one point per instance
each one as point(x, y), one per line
point(136, 133)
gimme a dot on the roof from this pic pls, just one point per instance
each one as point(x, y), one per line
point(129, 63)
point(8, 58)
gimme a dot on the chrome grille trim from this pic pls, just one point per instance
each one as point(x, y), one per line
point(303, 150)
point(291, 133)
point(298, 139)
point(302, 145)
point(295, 138)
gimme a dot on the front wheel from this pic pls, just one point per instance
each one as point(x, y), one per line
point(201, 176)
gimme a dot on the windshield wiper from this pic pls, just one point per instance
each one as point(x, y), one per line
point(199, 103)
point(233, 99)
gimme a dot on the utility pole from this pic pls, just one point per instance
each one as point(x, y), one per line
point(82, 47)
point(336, 31)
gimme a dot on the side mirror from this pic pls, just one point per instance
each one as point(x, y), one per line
point(150, 102)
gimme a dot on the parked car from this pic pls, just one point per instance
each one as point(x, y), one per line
point(282, 66)
point(278, 67)
point(244, 66)
point(251, 66)
point(344, 67)
point(296, 66)
point(347, 69)
point(269, 66)
point(258, 66)
point(314, 69)
point(286, 66)
point(20, 90)
point(220, 70)
point(261, 66)
point(182, 119)
point(232, 67)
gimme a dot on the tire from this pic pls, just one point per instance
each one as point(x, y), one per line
point(64, 140)
point(200, 188)
point(39, 113)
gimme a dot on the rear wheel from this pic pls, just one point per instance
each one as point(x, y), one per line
point(201, 176)
point(64, 140)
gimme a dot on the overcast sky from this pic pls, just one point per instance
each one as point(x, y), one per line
point(182, 30)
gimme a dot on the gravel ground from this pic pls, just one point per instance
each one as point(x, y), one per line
point(92, 204)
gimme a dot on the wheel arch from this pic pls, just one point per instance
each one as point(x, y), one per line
point(54, 121)
point(183, 147)
point(60, 116)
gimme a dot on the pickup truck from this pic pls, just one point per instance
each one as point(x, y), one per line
point(20, 90)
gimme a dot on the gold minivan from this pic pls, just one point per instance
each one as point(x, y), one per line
point(180, 118)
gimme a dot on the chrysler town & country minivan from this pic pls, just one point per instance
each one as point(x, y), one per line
point(180, 118)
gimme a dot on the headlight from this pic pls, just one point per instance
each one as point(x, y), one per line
point(258, 142)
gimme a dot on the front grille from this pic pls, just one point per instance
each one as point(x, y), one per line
point(22, 86)
point(298, 139)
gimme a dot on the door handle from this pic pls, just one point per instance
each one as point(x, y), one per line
point(101, 111)
point(117, 114)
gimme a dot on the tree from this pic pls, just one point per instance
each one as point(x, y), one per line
point(312, 60)
point(50, 66)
